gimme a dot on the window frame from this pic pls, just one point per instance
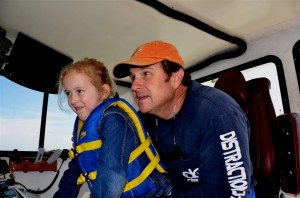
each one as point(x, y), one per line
point(296, 56)
point(255, 63)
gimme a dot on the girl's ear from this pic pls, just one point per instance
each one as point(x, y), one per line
point(105, 91)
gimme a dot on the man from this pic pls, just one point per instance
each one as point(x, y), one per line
point(201, 133)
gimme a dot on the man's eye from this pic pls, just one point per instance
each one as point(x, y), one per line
point(132, 78)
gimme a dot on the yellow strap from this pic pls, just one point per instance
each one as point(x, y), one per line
point(151, 157)
point(85, 147)
point(133, 117)
point(141, 148)
point(81, 179)
point(138, 125)
point(71, 154)
point(145, 173)
point(88, 146)
point(93, 175)
point(79, 126)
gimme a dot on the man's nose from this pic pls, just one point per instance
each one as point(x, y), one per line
point(136, 84)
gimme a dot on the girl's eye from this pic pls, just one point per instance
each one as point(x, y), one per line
point(79, 91)
point(67, 93)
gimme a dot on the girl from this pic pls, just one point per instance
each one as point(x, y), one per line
point(112, 152)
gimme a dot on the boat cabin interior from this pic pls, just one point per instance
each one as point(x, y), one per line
point(248, 49)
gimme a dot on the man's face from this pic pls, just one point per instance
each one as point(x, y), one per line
point(151, 91)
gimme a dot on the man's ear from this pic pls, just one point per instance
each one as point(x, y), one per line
point(105, 91)
point(177, 77)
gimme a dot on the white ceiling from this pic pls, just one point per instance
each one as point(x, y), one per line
point(110, 30)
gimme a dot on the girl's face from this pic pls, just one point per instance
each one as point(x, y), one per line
point(82, 95)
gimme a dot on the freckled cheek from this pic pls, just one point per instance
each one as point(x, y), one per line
point(69, 102)
point(72, 108)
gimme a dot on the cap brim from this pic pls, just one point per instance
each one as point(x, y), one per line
point(121, 70)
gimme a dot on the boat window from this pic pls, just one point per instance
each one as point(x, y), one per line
point(269, 70)
point(20, 119)
point(59, 126)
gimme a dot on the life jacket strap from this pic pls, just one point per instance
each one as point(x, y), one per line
point(71, 153)
point(86, 177)
point(141, 134)
point(141, 148)
point(144, 174)
point(152, 157)
point(87, 146)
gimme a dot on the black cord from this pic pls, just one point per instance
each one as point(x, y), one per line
point(51, 184)
point(64, 156)
point(21, 185)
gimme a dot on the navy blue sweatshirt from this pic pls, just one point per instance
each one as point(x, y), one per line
point(206, 146)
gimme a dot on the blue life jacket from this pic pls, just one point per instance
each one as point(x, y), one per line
point(87, 145)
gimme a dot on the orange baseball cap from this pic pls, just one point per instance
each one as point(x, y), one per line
point(148, 54)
